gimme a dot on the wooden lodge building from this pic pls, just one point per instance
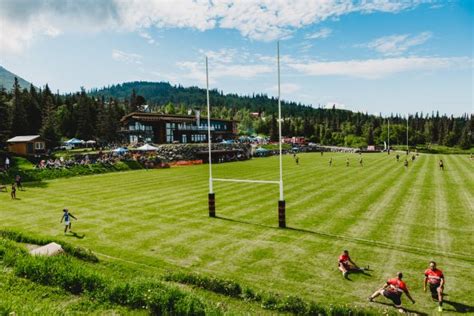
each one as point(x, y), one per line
point(167, 128)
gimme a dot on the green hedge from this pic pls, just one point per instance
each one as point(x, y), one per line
point(78, 252)
point(48, 174)
point(268, 300)
point(77, 278)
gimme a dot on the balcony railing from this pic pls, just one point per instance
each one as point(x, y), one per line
point(194, 128)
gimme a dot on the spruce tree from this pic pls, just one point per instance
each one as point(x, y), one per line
point(49, 129)
point(19, 120)
point(5, 117)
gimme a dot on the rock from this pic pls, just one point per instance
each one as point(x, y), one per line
point(51, 249)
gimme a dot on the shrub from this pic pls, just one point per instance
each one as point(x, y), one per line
point(79, 170)
point(59, 271)
point(226, 287)
point(78, 252)
point(77, 278)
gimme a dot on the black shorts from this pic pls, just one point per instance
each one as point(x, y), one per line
point(394, 297)
point(434, 290)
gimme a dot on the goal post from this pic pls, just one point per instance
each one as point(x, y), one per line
point(211, 195)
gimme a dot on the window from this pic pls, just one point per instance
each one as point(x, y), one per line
point(39, 145)
point(169, 132)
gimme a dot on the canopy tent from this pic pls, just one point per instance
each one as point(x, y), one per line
point(147, 147)
point(261, 150)
point(74, 141)
point(120, 150)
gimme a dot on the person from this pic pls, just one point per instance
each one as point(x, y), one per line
point(398, 157)
point(67, 221)
point(347, 162)
point(7, 163)
point(361, 163)
point(393, 290)
point(18, 182)
point(322, 153)
point(441, 164)
point(413, 158)
point(405, 163)
point(435, 278)
point(297, 159)
point(13, 192)
point(330, 162)
point(346, 265)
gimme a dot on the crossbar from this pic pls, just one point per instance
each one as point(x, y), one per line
point(247, 181)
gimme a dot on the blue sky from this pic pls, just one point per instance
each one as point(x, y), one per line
point(375, 56)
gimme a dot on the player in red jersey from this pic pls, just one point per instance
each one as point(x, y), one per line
point(346, 264)
point(393, 290)
point(435, 278)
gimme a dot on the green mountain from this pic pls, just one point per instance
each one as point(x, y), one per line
point(161, 93)
point(7, 78)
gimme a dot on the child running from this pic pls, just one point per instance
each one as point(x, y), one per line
point(67, 221)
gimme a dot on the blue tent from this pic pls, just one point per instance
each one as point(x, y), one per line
point(261, 150)
point(120, 150)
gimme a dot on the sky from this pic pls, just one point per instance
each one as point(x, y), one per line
point(377, 56)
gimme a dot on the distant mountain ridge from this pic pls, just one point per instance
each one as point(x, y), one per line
point(161, 93)
point(7, 78)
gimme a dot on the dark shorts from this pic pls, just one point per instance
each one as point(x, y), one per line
point(434, 290)
point(394, 297)
point(345, 265)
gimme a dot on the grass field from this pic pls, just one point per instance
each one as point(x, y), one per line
point(391, 217)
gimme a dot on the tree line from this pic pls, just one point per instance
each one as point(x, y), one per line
point(96, 115)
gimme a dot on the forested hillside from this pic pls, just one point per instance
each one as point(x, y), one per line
point(96, 115)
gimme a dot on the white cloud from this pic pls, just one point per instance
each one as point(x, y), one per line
point(129, 58)
point(285, 88)
point(147, 37)
point(395, 45)
point(196, 70)
point(265, 20)
point(322, 33)
point(379, 68)
point(223, 55)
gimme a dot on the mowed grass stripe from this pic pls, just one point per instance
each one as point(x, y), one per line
point(374, 207)
point(123, 216)
point(330, 193)
point(349, 207)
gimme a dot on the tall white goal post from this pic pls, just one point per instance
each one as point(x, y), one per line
point(211, 195)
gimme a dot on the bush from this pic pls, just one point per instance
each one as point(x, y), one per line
point(269, 300)
point(77, 278)
point(226, 287)
point(48, 174)
point(59, 271)
point(78, 252)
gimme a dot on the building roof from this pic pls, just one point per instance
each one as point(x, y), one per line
point(166, 117)
point(21, 139)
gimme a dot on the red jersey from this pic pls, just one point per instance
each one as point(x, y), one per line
point(434, 276)
point(344, 259)
point(396, 286)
